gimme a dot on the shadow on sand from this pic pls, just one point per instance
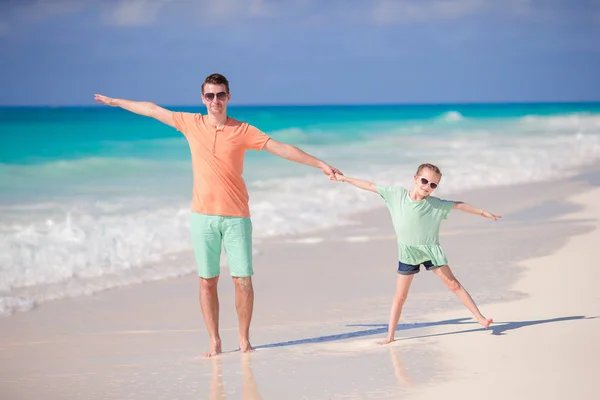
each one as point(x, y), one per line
point(497, 328)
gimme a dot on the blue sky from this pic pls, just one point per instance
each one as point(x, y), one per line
point(61, 52)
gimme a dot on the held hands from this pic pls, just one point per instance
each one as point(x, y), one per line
point(109, 101)
point(338, 177)
point(489, 215)
point(330, 171)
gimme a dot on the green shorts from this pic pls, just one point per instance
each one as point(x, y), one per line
point(209, 232)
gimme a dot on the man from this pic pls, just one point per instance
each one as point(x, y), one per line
point(220, 212)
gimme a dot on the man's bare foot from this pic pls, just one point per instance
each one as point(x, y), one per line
point(485, 322)
point(215, 349)
point(387, 341)
point(245, 346)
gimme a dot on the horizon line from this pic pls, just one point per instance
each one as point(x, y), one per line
point(288, 105)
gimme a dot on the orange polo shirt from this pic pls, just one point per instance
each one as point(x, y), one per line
point(218, 163)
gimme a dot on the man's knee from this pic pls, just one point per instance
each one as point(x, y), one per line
point(243, 283)
point(209, 283)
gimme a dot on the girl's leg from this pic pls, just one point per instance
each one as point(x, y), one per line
point(454, 285)
point(402, 286)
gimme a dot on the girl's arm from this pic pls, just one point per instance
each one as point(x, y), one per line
point(359, 183)
point(459, 205)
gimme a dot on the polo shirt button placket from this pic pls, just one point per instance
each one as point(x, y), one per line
point(215, 140)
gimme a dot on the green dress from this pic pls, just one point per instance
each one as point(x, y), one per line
point(417, 225)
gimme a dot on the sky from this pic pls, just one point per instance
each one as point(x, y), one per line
point(61, 52)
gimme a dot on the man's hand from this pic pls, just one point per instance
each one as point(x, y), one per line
point(330, 171)
point(145, 108)
point(338, 177)
point(109, 101)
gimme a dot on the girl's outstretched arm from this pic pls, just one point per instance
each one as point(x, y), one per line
point(359, 183)
point(459, 205)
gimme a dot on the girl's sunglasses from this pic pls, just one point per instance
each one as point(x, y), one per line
point(424, 181)
point(222, 96)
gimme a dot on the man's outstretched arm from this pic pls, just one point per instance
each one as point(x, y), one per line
point(293, 153)
point(145, 108)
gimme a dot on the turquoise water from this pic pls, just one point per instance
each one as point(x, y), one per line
point(38, 135)
point(95, 194)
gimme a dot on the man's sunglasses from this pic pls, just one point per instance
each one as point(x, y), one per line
point(222, 96)
point(424, 181)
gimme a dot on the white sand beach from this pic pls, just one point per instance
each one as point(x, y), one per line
point(322, 303)
point(543, 346)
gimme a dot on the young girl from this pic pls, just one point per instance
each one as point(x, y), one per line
point(417, 216)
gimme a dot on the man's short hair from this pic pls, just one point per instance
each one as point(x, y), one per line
point(216, 79)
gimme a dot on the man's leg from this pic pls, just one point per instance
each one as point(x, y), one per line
point(402, 286)
point(454, 285)
point(237, 240)
point(244, 303)
point(209, 302)
point(206, 239)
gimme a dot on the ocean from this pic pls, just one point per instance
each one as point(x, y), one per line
point(90, 196)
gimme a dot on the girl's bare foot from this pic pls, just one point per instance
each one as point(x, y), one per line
point(485, 322)
point(215, 349)
point(387, 341)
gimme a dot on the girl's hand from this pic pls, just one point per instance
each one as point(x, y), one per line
point(338, 177)
point(489, 215)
